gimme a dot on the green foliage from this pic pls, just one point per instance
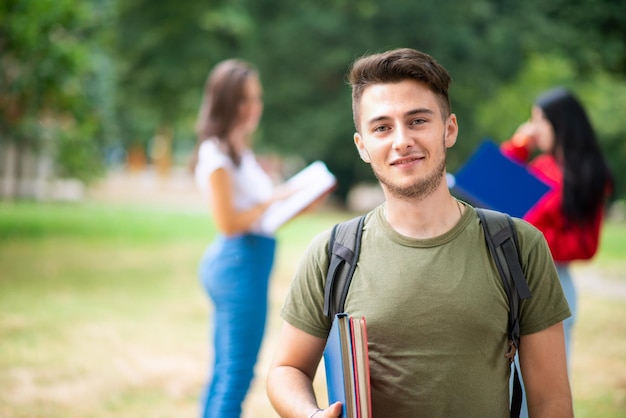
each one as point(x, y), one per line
point(128, 69)
point(47, 67)
point(165, 51)
point(308, 107)
point(510, 106)
point(591, 32)
point(79, 155)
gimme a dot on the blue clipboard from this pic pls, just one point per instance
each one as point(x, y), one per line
point(491, 180)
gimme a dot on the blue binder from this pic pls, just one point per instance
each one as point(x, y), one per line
point(491, 180)
point(339, 366)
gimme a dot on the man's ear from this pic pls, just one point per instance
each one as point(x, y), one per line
point(452, 130)
point(358, 141)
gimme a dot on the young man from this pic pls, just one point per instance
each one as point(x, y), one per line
point(434, 303)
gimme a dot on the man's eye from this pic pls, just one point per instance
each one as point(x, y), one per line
point(418, 121)
point(380, 129)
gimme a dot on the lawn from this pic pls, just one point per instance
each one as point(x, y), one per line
point(101, 314)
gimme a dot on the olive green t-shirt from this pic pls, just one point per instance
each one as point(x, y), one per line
point(436, 314)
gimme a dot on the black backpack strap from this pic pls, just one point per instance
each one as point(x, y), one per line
point(501, 237)
point(343, 253)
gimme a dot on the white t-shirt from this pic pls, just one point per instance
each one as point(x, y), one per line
point(252, 185)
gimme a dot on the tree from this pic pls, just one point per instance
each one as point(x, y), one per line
point(165, 51)
point(48, 106)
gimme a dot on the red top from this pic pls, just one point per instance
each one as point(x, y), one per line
point(567, 241)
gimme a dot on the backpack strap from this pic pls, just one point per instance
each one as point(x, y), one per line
point(501, 237)
point(343, 253)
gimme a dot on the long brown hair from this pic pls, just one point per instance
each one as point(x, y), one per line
point(219, 110)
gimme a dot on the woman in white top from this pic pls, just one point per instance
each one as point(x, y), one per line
point(235, 268)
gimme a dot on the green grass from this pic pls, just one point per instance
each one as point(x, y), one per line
point(101, 314)
point(612, 252)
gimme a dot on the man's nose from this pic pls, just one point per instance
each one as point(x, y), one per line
point(402, 138)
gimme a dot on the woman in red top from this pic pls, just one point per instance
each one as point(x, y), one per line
point(570, 160)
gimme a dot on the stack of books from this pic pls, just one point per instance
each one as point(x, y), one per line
point(346, 361)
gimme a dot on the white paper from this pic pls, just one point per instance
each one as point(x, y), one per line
point(310, 183)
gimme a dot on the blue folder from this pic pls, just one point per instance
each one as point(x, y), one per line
point(491, 180)
point(339, 365)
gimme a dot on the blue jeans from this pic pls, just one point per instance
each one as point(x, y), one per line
point(572, 298)
point(235, 273)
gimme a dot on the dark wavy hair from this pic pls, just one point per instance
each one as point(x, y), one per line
point(586, 174)
point(223, 93)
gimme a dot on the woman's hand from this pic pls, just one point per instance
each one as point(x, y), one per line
point(317, 203)
point(525, 136)
point(282, 192)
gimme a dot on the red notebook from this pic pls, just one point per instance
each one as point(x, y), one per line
point(361, 367)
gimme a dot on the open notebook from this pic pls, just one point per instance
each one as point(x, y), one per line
point(312, 182)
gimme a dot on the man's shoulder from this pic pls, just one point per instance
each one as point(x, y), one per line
point(521, 226)
point(526, 229)
point(320, 239)
point(531, 242)
point(527, 234)
point(354, 223)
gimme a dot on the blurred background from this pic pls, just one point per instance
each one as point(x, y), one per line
point(95, 85)
point(101, 229)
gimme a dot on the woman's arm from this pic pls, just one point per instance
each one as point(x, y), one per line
point(521, 144)
point(228, 220)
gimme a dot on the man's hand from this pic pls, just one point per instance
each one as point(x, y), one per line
point(333, 411)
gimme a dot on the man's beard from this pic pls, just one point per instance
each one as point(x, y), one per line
point(418, 190)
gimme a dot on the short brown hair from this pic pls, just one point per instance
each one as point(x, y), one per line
point(395, 66)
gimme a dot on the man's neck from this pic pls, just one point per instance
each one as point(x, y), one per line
point(429, 217)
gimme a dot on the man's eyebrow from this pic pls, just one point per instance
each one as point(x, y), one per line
point(377, 119)
point(418, 111)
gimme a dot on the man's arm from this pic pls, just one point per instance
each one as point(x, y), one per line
point(290, 378)
point(544, 369)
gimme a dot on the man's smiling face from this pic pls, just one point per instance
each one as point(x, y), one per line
point(404, 136)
